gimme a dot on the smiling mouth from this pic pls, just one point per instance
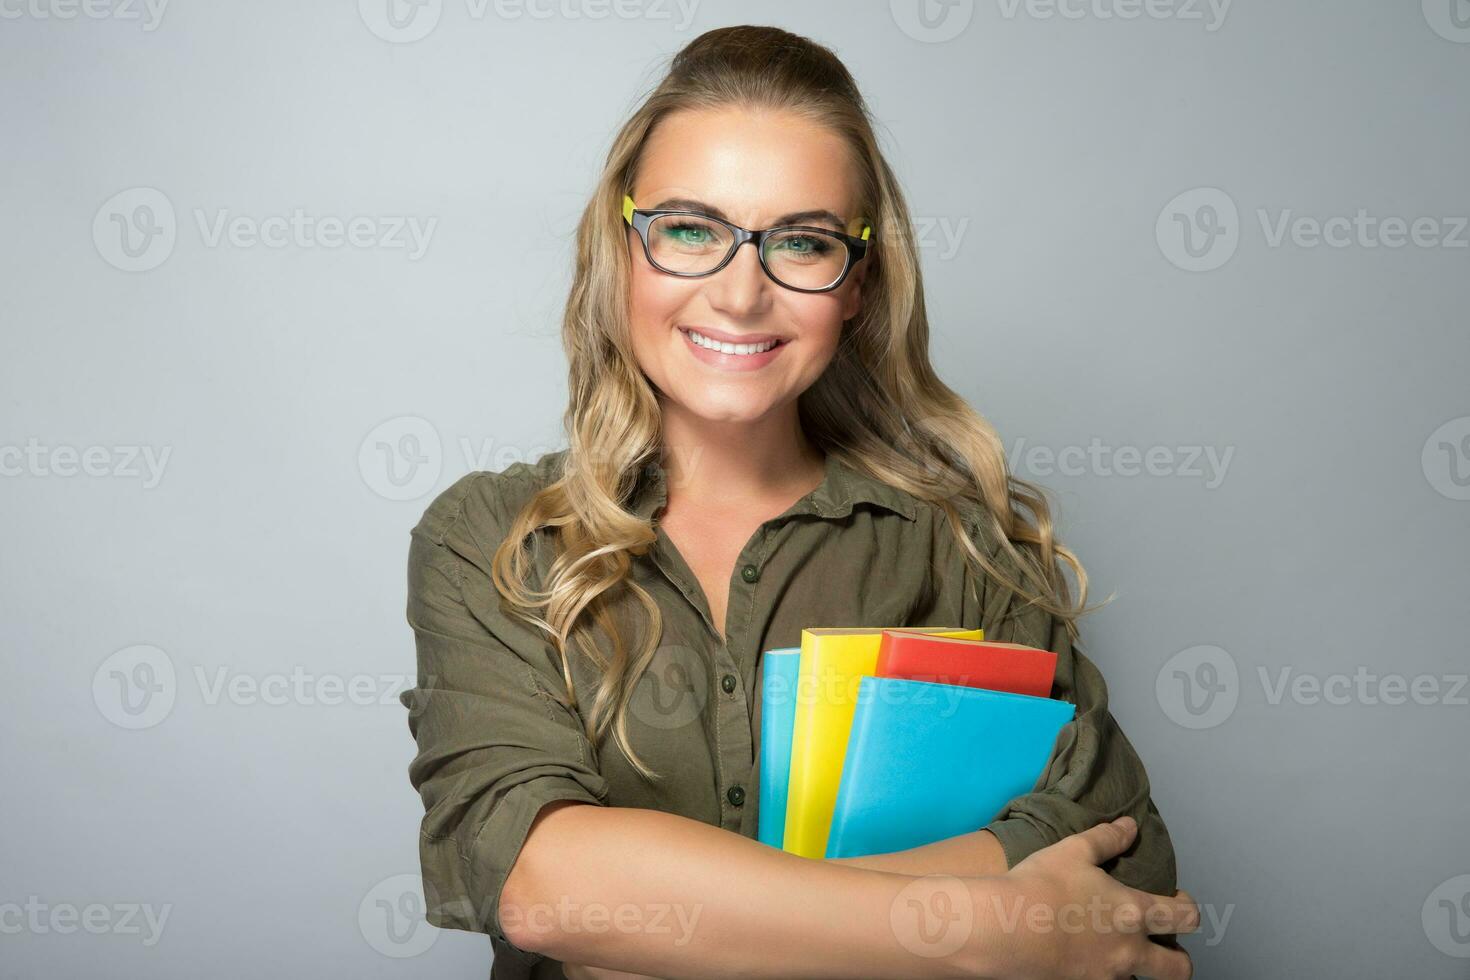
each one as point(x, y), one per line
point(719, 347)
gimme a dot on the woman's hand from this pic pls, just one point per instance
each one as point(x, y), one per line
point(577, 971)
point(1090, 926)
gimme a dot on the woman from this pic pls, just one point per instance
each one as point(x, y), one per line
point(757, 444)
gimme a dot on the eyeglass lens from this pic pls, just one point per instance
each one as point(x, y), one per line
point(688, 244)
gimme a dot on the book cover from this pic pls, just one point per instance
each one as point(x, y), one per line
point(1009, 667)
point(778, 715)
point(832, 661)
point(930, 761)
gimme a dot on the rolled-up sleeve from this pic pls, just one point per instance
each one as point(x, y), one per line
point(497, 739)
point(1095, 775)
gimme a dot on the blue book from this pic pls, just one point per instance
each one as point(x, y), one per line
point(778, 720)
point(928, 761)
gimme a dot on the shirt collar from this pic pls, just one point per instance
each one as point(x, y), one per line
point(841, 488)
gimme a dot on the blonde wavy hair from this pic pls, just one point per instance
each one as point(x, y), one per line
point(879, 406)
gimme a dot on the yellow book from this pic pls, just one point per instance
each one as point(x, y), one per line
point(832, 661)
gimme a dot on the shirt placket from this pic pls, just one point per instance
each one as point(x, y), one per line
point(734, 661)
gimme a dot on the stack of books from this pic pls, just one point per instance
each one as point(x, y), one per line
point(878, 740)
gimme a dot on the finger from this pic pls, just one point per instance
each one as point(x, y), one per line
point(1162, 914)
point(1162, 963)
point(1106, 840)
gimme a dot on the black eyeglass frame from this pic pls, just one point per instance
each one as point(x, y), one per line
point(640, 219)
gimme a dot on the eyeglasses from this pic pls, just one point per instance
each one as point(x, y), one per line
point(694, 244)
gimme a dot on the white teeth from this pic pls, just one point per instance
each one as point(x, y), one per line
point(723, 348)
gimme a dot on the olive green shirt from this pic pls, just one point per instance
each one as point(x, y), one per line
point(497, 738)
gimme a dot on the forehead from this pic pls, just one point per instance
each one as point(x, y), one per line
point(752, 164)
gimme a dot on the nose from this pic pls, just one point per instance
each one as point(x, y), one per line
point(741, 288)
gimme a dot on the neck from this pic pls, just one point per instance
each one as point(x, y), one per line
point(733, 461)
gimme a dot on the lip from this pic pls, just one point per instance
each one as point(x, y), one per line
point(732, 362)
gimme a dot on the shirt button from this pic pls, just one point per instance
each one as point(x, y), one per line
point(728, 683)
point(750, 573)
point(736, 795)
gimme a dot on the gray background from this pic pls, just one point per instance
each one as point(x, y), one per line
point(311, 399)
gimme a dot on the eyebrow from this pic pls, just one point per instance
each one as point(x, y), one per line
point(793, 218)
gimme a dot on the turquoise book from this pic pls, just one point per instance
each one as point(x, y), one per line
point(927, 761)
point(778, 721)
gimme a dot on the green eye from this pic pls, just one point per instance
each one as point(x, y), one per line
point(687, 234)
point(803, 247)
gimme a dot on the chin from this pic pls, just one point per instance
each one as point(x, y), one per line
point(731, 410)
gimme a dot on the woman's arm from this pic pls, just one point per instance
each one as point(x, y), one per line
point(1095, 775)
point(674, 897)
point(660, 895)
point(973, 854)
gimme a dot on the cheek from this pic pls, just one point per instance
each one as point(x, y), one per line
point(654, 299)
point(818, 319)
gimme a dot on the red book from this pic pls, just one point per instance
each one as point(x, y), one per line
point(1009, 667)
